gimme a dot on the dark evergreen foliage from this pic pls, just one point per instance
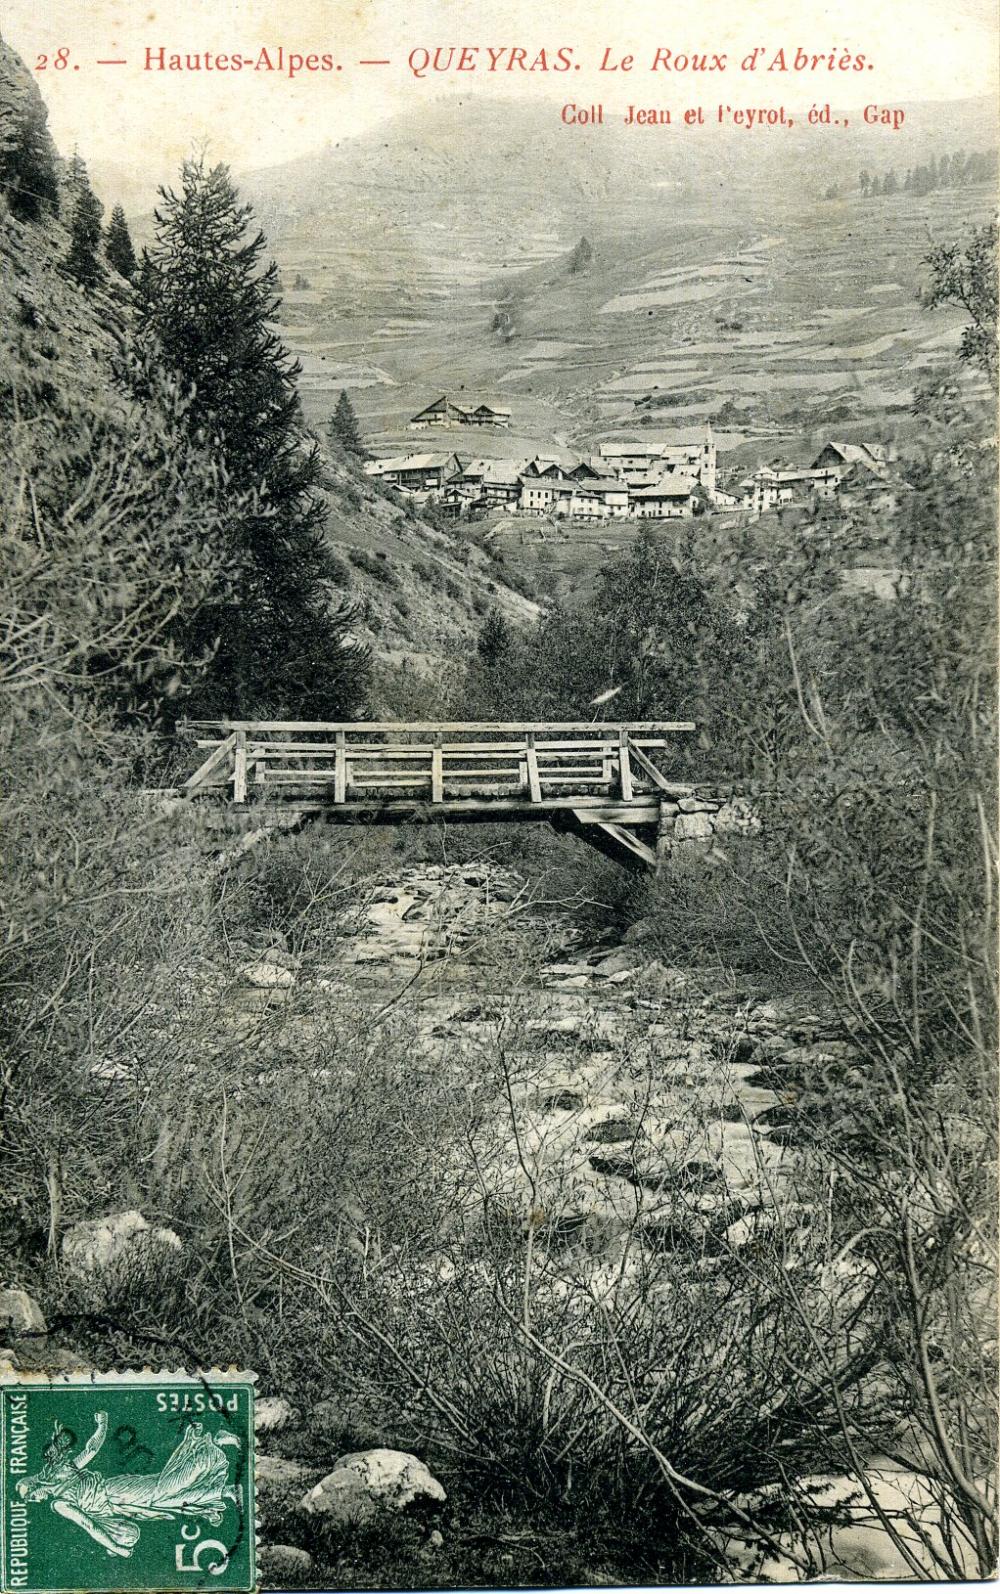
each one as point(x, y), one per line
point(83, 262)
point(343, 427)
point(958, 170)
point(206, 306)
point(118, 245)
point(494, 641)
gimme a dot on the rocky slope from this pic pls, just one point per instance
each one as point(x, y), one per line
point(422, 591)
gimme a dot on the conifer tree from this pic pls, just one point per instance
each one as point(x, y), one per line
point(494, 641)
point(82, 261)
point(118, 245)
point(343, 427)
point(206, 307)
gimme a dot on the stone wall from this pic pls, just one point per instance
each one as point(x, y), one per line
point(701, 818)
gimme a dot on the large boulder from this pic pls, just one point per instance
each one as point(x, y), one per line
point(121, 1240)
point(271, 1414)
point(20, 1313)
point(39, 1356)
point(364, 1485)
point(285, 1561)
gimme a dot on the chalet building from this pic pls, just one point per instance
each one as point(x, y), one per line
point(863, 488)
point(841, 456)
point(490, 481)
point(488, 415)
point(665, 499)
point(416, 473)
point(775, 485)
point(595, 498)
point(441, 413)
point(444, 413)
point(548, 468)
point(539, 493)
point(686, 453)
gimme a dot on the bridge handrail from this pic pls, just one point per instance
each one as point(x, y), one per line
point(547, 754)
point(597, 728)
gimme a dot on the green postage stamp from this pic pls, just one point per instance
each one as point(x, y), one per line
point(128, 1481)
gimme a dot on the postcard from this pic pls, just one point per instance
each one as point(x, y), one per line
point(498, 712)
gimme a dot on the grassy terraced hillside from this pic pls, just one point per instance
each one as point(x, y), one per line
point(720, 283)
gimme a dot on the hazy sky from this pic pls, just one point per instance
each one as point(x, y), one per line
point(921, 49)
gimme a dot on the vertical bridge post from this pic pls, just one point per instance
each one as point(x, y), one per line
point(240, 768)
point(625, 766)
point(340, 767)
point(531, 758)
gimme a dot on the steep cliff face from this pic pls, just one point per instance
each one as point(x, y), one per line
point(50, 331)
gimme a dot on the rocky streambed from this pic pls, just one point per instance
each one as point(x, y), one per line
point(620, 1113)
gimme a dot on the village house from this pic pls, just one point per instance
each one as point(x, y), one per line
point(443, 412)
point(547, 466)
point(595, 498)
point(666, 498)
point(687, 453)
point(490, 481)
point(540, 492)
point(772, 486)
point(488, 415)
point(867, 466)
point(842, 456)
point(415, 473)
point(861, 487)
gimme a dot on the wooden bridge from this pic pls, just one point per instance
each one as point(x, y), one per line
point(605, 781)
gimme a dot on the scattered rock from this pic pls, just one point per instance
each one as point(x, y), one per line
point(729, 1112)
point(752, 1226)
point(38, 1356)
point(267, 976)
point(561, 1101)
point(369, 1482)
point(281, 958)
point(272, 1413)
point(285, 1560)
point(616, 1168)
point(671, 1234)
point(100, 1243)
point(20, 1313)
point(611, 1132)
point(617, 962)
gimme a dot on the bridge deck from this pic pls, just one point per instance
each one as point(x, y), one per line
point(603, 780)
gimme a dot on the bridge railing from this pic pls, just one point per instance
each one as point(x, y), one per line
point(433, 761)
